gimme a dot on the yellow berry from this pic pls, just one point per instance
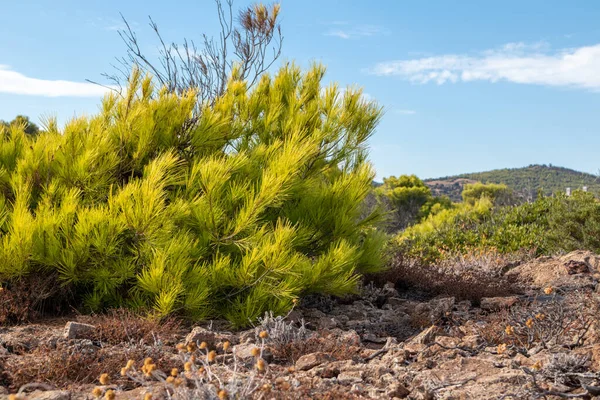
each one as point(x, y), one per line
point(222, 394)
point(170, 379)
point(226, 345)
point(549, 290)
point(191, 347)
point(509, 330)
point(110, 395)
point(148, 396)
point(130, 364)
point(97, 392)
point(255, 352)
point(260, 364)
point(124, 371)
point(187, 366)
point(104, 379)
point(501, 349)
point(203, 345)
point(211, 356)
point(174, 372)
point(263, 334)
point(148, 361)
point(529, 323)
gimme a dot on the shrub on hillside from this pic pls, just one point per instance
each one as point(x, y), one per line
point(408, 200)
point(471, 275)
point(547, 225)
point(499, 194)
point(259, 203)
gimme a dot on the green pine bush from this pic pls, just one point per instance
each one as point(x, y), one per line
point(260, 202)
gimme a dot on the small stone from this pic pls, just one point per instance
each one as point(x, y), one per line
point(244, 352)
point(212, 338)
point(350, 338)
point(471, 341)
point(329, 372)
point(350, 377)
point(49, 395)
point(76, 330)
point(397, 390)
point(498, 303)
point(372, 338)
point(327, 323)
point(426, 337)
point(442, 306)
point(309, 361)
point(397, 302)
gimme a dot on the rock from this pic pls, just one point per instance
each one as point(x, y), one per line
point(442, 306)
point(327, 323)
point(397, 302)
point(447, 341)
point(595, 352)
point(309, 361)
point(77, 330)
point(49, 395)
point(313, 313)
point(350, 338)
point(471, 341)
point(350, 377)
point(212, 338)
point(397, 390)
point(295, 316)
point(329, 372)
point(243, 351)
point(498, 303)
point(427, 336)
point(577, 267)
point(370, 337)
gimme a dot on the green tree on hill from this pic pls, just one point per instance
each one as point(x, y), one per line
point(410, 199)
point(23, 122)
point(498, 193)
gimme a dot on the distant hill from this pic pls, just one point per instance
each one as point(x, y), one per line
point(525, 181)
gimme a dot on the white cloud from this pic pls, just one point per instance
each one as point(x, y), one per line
point(534, 64)
point(405, 112)
point(356, 32)
point(16, 83)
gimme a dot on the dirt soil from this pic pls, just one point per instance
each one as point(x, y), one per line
point(383, 344)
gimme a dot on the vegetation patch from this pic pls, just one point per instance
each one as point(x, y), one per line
point(258, 202)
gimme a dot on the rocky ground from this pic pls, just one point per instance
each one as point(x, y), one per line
point(387, 343)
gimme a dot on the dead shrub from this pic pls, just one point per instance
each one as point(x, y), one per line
point(548, 320)
point(26, 299)
point(322, 341)
point(470, 276)
point(125, 326)
point(67, 365)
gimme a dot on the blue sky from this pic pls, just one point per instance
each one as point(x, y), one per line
point(467, 86)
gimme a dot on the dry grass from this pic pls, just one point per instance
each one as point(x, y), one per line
point(550, 320)
point(323, 341)
point(65, 366)
point(471, 276)
point(125, 326)
point(26, 299)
